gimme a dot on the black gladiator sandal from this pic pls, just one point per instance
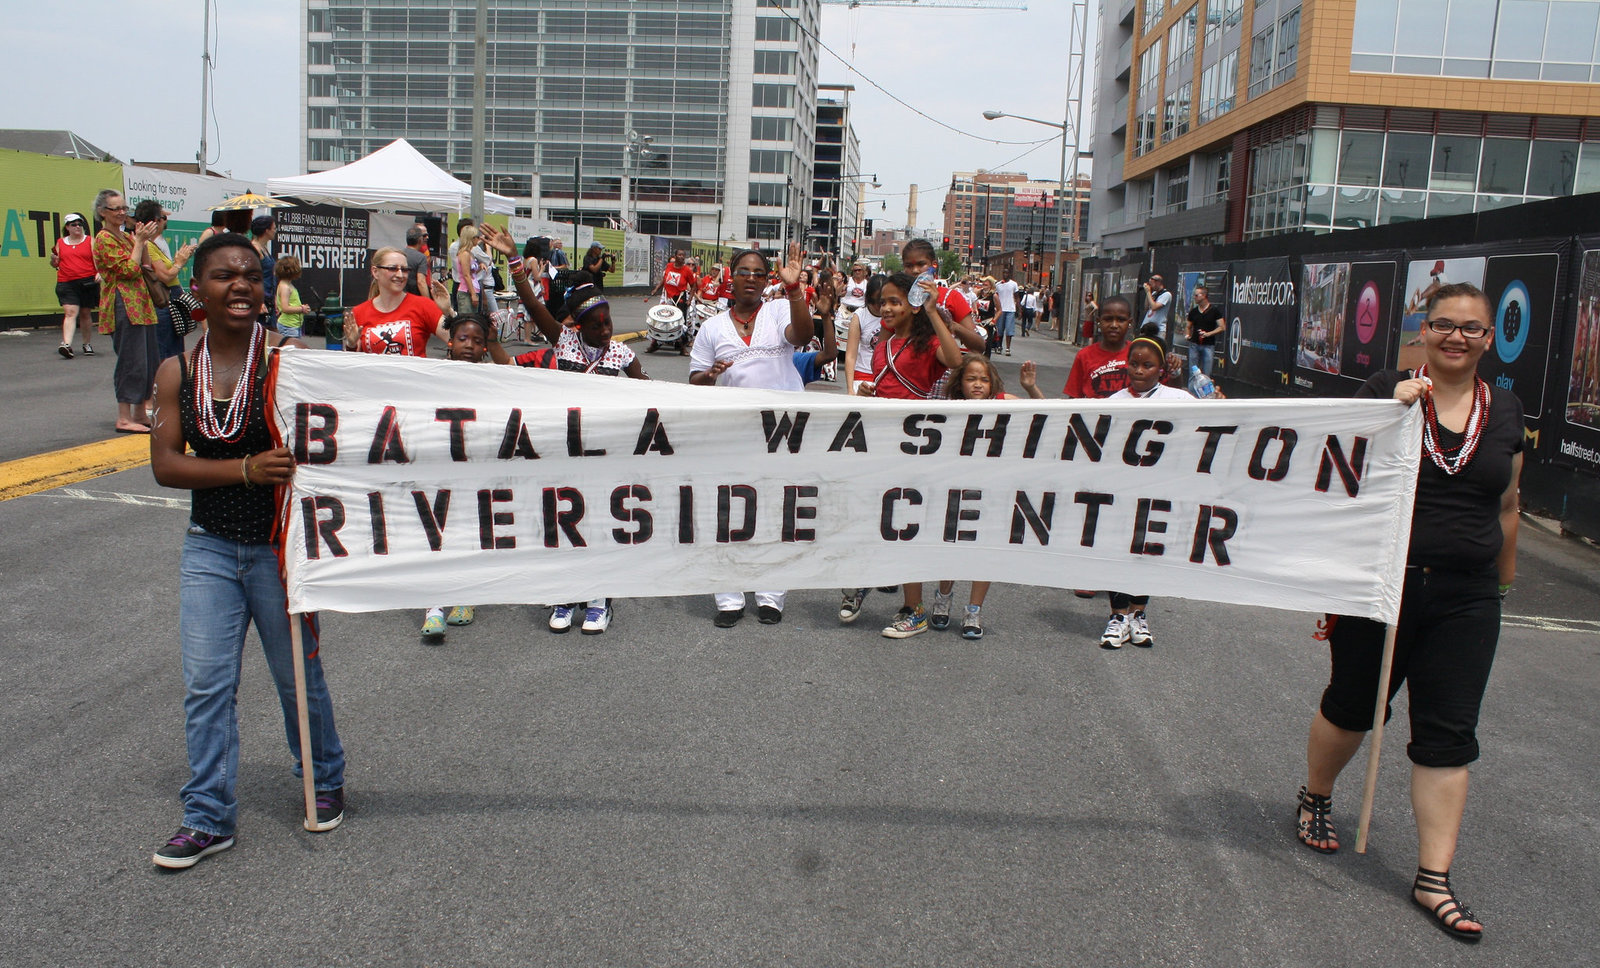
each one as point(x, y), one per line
point(1448, 913)
point(1319, 826)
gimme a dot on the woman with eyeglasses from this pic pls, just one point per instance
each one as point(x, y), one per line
point(395, 322)
point(77, 289)
point(126, 311)
point(1461, 562)
point(753, 344)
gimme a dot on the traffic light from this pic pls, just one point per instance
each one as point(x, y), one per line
point(866, 226)
point(969, 248)
point(946, 246)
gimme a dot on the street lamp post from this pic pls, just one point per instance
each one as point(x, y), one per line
point(1057, 279)
point(638, 147)
point(861, 191)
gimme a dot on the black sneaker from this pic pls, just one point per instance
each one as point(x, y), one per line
point(187, 846)
point(769, 615)
point(727, 618)
point(330, 809)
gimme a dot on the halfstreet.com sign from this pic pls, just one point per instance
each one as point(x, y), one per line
point(430, 480)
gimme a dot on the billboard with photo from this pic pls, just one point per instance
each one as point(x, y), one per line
point(1425, 273)
point(1346, 322)
point(1578, 436)
point(1523, 294)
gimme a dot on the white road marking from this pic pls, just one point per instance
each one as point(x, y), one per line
point(1545, 623)
point(115, 497)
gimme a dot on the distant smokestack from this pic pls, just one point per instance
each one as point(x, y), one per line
point(911, 209)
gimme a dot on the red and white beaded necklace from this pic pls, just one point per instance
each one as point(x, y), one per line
point(1456, 460)
point(232, 425)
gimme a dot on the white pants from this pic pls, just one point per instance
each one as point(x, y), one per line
point(730, 601)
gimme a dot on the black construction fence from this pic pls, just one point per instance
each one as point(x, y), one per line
point(1315, 315)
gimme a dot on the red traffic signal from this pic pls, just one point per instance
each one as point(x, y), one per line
point(946, 245)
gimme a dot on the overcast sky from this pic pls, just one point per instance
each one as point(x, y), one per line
point(125, 74)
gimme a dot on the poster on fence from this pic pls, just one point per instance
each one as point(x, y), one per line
point(1579, 436)
point(432, 480)
point(1263, 321)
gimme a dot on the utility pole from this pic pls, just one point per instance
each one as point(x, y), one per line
point(205, 83)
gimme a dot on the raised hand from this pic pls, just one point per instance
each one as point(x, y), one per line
point(498, 239)
point(789, 271)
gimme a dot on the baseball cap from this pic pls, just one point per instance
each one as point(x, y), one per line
point(73, 217)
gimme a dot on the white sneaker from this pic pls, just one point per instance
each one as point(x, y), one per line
point(1116, 634)
point(1139, 631)
point(596, 619)
point(561, 618)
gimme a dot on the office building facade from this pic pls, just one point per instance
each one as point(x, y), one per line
point(836, 190)
point(1225, 120)
point(725, 90)
point(986, 212)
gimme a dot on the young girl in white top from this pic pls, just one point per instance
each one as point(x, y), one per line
point(753, 344)
point(1147, 367)
point(865, 325)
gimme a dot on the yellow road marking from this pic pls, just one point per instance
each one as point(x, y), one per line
point(29, 475)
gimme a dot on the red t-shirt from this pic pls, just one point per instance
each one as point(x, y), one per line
point(74, 261)
point(403, 332)
point(954, 303)
point(915, 375)
point(726, 290)
point(1098, 372)
point(676, 279)
point(710, 287)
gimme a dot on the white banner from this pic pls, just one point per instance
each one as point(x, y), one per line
point(430, 480)
point(188, 197)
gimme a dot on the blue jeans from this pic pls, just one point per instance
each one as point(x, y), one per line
point(224, 586)
point(1202, 356)
point(1007, 323)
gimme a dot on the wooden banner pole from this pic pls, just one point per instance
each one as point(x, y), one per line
point(307, 775)
point(1371, 791)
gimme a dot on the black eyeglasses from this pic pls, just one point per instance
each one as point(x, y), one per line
point(392, 268)
point(1472, 330)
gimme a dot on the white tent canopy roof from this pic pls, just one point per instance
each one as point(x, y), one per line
point(396, 176)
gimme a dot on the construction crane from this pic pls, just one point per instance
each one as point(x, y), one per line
point(971, 4)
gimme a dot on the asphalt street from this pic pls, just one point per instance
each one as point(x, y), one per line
point(803, 794)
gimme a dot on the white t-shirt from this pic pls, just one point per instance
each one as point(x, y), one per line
point(1006, 291)
point(869, 326)
point(1160, 392)
point(855, 294)
point(766, 362)
point(1030, 301)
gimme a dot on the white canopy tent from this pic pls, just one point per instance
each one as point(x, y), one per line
point(396, 176)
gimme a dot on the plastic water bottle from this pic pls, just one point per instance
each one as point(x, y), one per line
point(917, 296)
point(1199, 384)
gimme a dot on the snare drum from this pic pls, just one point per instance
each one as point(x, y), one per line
point(665, 322)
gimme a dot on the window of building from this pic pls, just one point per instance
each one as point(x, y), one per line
point(765, 193)
point(1455, 163)
point(1180, 40)
point(1405, 161)
point(1177, 189)
point(774, 62)
point(763, 227)
point(1504, 169)
point(1261, 60)
point(1217, 86)
point(1152, 12)
point(1288, 52)
point(659, 223)
point(774, 28)
point(770, 129)
point(1360, 154)
point(766, 162)
point(772, 95)
point(1552, 40)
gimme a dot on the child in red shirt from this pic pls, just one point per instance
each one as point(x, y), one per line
point(1101, 369)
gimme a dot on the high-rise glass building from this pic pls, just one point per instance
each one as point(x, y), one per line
point(1224, 120)
point(725, 91)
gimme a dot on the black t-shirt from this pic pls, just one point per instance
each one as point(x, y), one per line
point(1203, 321)
point(1455, 522)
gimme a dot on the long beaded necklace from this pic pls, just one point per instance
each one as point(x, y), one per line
point(1455, 460)
point(232, 425)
